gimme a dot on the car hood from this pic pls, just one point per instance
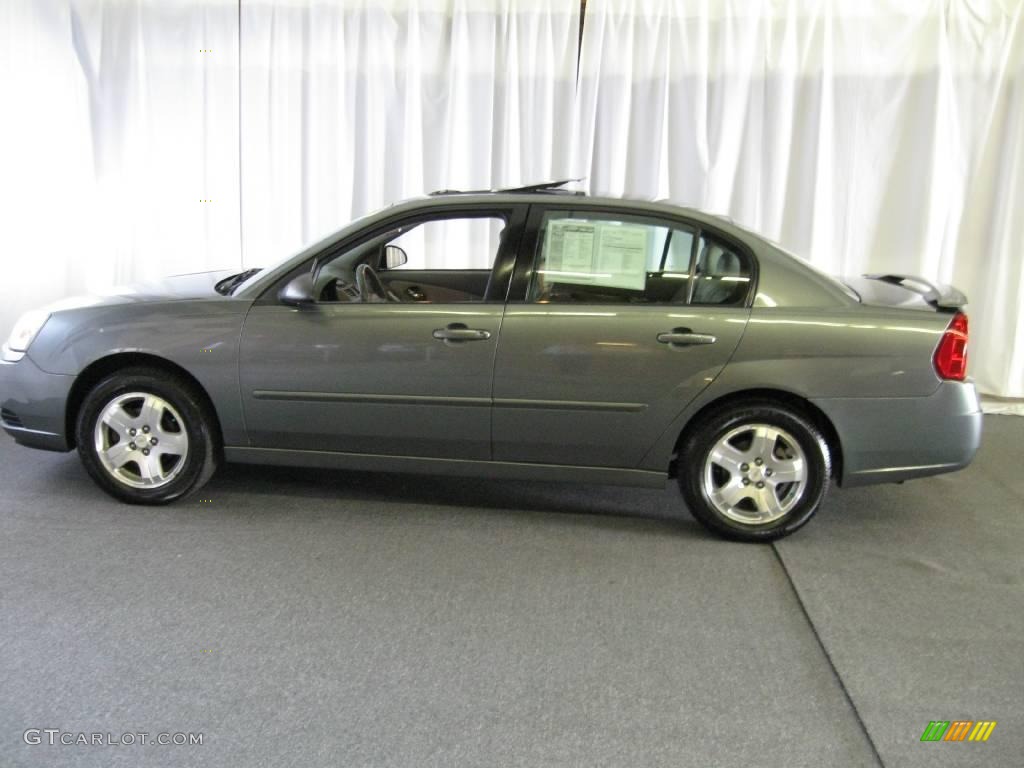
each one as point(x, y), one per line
point(194, 285)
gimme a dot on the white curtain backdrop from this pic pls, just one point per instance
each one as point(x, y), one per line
point(116, 125)
point(867, 136)
point(348, 106)
point(120, 145)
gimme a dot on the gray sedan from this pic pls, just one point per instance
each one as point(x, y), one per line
point(531, 333)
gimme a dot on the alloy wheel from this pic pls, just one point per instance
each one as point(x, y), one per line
point(140, 440)
point(755, 474)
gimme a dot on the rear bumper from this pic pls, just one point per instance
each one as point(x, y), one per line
point(33, 404)
point(886, 440)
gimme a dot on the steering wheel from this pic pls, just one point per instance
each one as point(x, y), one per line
point(371, 289)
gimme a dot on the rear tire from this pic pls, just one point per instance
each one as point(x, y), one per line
point(754, 472)
point(146, 436)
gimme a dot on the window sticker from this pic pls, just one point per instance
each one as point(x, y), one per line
point(610, 254)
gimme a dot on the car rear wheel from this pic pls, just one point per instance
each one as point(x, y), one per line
point(146, 437)
point(756, 472)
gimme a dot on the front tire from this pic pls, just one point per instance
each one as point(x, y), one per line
point(146, 436)
point(755, 472)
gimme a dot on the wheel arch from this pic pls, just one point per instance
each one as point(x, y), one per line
point(99, 369)
point(771, 395)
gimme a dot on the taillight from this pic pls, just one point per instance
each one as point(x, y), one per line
point(951, 356)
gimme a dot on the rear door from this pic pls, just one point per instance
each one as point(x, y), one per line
point(616, 322)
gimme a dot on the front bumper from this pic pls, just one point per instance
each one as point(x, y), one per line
point(890, 439)
point(33, 404)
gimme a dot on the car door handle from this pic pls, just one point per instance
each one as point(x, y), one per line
point(684, 337)
point(459, 332)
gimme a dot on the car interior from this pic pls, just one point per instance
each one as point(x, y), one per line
point(720, 277)
point(379, 271)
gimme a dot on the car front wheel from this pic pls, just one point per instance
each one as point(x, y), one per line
point(146, 437)
point(756, 472)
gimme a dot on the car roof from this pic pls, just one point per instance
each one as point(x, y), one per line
point(573, 199)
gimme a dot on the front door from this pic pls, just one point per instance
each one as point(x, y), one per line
point(622, 322)
point(407, 376)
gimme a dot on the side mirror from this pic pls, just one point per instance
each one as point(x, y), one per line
point(298, 292)
point(393, 257)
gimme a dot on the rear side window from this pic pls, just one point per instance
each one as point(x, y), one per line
point(587, 258)
point(721, 275)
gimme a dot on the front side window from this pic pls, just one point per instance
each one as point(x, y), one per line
point(456, 243)
point(438, 260)
point(595, 258)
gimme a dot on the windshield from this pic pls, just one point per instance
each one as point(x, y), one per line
point(250, 276)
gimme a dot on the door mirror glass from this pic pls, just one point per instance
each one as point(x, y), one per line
point(394, 256)
point(299, 291)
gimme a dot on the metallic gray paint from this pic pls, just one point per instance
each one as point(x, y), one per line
point(600, 353)
point(447, 467)
point(38, 398)
point(199, 336)
point(385, 349)
point(886, 439)
point(557, 391)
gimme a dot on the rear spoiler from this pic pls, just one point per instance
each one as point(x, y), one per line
point(944, 298)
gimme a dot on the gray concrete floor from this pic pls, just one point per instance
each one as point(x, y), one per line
point(345, 619)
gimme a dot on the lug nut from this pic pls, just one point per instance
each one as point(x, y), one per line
point(746, 481)
point(132, 431)
point(145, 429)
point(152, 440)
point(744, 467)
point(767, 473)
point(145, 452)
point(760, 483)
point(132, 446)
point(759, 461)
